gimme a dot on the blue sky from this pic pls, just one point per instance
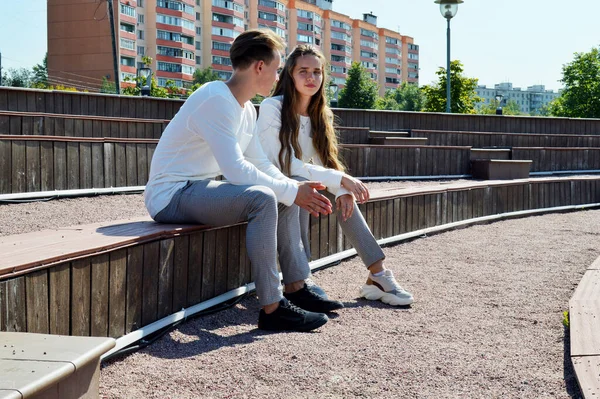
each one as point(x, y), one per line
point(525, 42)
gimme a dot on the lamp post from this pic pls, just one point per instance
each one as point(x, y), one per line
point(146, 81)
point(334, 94)
point(448, 8)
point(499, 102)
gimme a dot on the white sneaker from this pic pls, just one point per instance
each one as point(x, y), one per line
point(386, 289)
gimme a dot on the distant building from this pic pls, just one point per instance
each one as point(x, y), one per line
point(530, 101)
point(183, 35)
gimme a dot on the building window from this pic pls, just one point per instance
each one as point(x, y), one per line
point(390, 60)
point(368, 54)
point(198, 45)
point(305, 14)
point(175, 21)
point(305, 39)
point(340, 24)
point(391, 40)
point(413, 56)
point(127, 61)
point(230, 5)
point(174, 52)
point(127, 10)
point(224, 32)
point(340, 36)
point(271, 4)
point(392, 80)
point(140, 3)
point(367, 43)
point(198, 60)
point(140, 34)
point(221, 46)
point(338, 69)
point(228, 19)
point(175, 5)
point(127, 44)
point(140, 18)
point(272, 17)
point(141, 50)
point(127, 27)
point(198, 30)
point(177, 68)
point(340, 58)
point(368, 33)
point(174, 37)
point(221, 60)
point(224, 75)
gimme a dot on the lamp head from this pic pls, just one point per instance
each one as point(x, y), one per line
point(448, 8)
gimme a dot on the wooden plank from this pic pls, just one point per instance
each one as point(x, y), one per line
point(46, 166)
point(120, 163)
point(221, 261)
point(150, 283)
point(180, 272)
point(165, 277)
point(208, 264)
point(15, 316)
point(135, 266)
point(5, 166)
point(60, 299)
point(397, 220)
point(36, 284)
point(85, 165)
point(376, 210)
point(109, 165)
point(117, 304)
point(332, 231)
point(131, 161)
point(97, 168)
point(19, 167)
point(68, 126)
point(587, 369)
point(80, 297)
point(194, 291)
point(72, 165)
point(142, 164)
point(100, 296)
point(60, 165)
point(314, 237)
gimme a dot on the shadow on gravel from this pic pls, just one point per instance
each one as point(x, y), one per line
point(361, 302)
point(569, 372)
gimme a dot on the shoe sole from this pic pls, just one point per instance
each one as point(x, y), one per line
point(303, 328)
point(373, 293)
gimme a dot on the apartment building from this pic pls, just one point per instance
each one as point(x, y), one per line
point(183, 35)
point(530, 101)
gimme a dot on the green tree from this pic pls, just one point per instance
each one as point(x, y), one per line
point(360, 91)
point(388, 101)
point(205, 75)
point(462, 91)
point(20, 77)
point(511, 108)
point(581, 95)
point(108, 87)
point(40, 73)
point(409, 97)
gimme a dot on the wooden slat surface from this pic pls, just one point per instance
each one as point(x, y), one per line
point(587, 369)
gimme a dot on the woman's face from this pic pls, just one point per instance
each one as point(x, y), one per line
point(308, 75)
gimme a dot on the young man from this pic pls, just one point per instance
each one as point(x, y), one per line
point(213, 134)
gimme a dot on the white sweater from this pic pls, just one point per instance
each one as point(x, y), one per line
point(310, 166)
point(209, 136)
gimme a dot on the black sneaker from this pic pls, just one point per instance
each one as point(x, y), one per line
point(289, 317)
point(309, 300)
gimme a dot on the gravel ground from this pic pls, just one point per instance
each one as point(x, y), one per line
point(486, 321)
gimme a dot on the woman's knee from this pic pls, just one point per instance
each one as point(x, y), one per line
point(262, 195)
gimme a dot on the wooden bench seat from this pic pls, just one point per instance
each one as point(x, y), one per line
point(500, 169)
point(50, 366)
point(391, 140)
point(391, 133)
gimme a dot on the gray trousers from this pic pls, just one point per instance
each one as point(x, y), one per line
point(355, 229)
point(272, 228)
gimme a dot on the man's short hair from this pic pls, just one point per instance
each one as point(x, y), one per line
point(254, 45)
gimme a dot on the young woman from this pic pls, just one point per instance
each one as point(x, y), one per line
point(296, 130)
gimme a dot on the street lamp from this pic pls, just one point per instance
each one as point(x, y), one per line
point(146, 75)
point(499, 102)
point(448, 8)
point(334, 94)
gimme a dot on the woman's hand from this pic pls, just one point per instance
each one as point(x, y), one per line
point(357, 188)
point(345, 204)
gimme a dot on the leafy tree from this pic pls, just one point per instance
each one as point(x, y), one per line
point(205, 75)
point(581, 95)
point(407, 97)
point(20, 77)
point(108, 87)
point(511, 108)
point(170, 91)
point(462, 91)
point(360, 91)
point(40, 73)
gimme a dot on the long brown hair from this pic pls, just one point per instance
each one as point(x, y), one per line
point(321, 117)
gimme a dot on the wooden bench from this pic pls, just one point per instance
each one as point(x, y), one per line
point(36, 123)
point(398, 141)
point(493, 139)
point(500, 169)
point(391, 133)
point(50, 366)
point(490, 153)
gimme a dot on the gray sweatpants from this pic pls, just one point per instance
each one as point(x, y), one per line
point(272, 228)
point(355, 229)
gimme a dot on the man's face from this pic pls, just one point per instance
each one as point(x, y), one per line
point(269, 74)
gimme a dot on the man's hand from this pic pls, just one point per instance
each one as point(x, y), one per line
point(345, 204)
point(357, 188)
point(311, 200)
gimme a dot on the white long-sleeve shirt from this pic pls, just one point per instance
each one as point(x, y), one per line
point(209, 136)
point(310, 166)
